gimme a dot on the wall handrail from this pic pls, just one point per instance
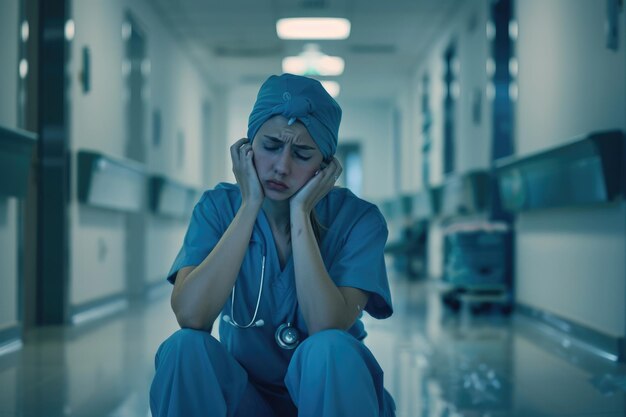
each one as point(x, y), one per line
point(587, 170)
point(170, 198)
point(16, 152)
point(112, 183)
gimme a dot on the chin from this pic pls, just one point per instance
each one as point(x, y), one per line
point(277, 196)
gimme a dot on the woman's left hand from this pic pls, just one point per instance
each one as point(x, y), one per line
point(316, 188)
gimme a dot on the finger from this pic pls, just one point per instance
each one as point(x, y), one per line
point(248, 158)
point(240, 142)
point(338, 164)
point(234, 149)
point(237, 145)
point(333, 171)
point(339, 172)
point(246, 153)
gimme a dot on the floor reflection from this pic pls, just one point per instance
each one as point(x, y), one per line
point(440, 363)
point(437, 364)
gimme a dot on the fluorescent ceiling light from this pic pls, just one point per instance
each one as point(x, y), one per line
point(332, 87)
point(313, 62)
point(313, 28)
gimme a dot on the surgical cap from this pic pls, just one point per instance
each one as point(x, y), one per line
point(298, 98)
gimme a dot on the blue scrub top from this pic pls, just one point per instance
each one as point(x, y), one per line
point(352, 247)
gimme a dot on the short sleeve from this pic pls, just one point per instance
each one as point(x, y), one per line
point(202, 235)
point(361, 263)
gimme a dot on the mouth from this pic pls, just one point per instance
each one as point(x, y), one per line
point(276, 185)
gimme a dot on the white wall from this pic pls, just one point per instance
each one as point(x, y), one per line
point(239, 102)
point(8, 118)
point(214, 162)
point(97, 255)
point(8, 261)
point(570, 84)
point(97, 123)
point(472, 139)
point(371, 126)
point(165, 237)
point(9, 58)
point(570, 262)
point(410, 158)
point(177, 88)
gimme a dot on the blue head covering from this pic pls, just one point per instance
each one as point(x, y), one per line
point(298, 98)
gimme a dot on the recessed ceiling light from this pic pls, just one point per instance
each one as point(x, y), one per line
point(313, 28)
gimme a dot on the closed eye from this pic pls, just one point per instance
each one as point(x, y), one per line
point(273, 144)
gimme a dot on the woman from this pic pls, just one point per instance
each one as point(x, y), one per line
point(291, 262)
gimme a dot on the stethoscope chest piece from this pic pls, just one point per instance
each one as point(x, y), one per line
point(287, 336)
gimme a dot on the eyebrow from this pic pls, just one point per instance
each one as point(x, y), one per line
point(302, 147)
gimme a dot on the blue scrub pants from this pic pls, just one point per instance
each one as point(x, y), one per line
point(331, 374)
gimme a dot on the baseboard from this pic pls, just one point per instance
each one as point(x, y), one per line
point(606, 346)
point(98, 309)
point(158, 290)
point(10, 339)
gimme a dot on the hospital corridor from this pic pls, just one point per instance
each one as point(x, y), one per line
point(412, 208)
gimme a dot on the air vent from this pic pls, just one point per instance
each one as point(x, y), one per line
point(372, 49)
point(225, 51)
point(313, 4)
point(252, 79)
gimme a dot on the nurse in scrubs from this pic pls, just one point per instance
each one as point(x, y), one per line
point(290, 262)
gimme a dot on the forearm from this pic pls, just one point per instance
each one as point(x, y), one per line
point(322, 304)
point(198, 300)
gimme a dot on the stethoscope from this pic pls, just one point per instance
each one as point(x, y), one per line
point(287, 336)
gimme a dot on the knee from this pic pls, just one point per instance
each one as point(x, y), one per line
point(186, 341)
point(187, 338)
point(327, 345)
point(331, 339)
point(330, 355)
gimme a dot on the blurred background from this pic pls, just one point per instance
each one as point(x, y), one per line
point(490, 133)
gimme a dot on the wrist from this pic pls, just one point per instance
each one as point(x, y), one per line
point(299, 217)
point(298, 211)
point(250, 208)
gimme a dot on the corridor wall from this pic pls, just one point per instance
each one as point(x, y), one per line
point(175, 93)
point(464, 28)
point(571, 262)
point(8, 205)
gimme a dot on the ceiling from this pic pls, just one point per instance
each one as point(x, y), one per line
point(235, 41)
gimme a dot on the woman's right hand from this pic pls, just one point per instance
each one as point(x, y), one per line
point(245, 172)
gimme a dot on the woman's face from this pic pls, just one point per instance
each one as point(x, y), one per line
point(285, 157)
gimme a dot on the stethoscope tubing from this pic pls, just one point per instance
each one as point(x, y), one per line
point(287, 336)
point(253, 322)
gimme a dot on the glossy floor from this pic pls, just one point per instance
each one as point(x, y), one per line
point(436, 363)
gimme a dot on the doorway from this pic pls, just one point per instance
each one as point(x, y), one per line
point(136, 69)
point(349, 156)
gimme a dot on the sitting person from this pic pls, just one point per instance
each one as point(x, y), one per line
point(291, 262)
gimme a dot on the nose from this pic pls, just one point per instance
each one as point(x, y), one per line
point(282, 164)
